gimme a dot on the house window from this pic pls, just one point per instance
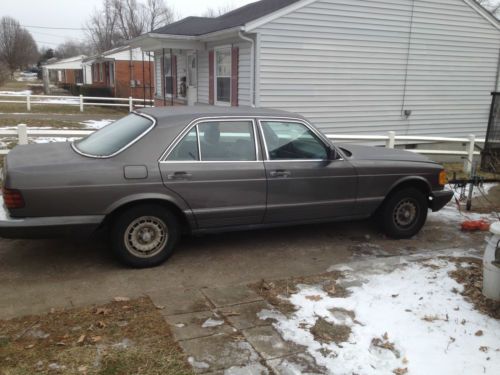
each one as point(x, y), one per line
point(112, 74)
point(223, 75)
point(167, 72)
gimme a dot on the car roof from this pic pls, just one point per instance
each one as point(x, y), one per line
point(166, 116)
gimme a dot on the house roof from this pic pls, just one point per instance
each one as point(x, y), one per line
point(195, 26)
point(74, 62)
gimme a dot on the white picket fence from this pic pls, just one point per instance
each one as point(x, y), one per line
point(80, 101)
point(22, 133)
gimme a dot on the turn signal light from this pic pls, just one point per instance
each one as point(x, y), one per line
point(443, 178)
point(12, 198)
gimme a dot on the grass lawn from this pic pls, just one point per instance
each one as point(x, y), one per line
point(17, 85)
point(56, 124)
point(128, 337)
point(60, 109)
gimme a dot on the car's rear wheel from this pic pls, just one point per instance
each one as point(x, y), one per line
point(404, 212)
point(144, 235)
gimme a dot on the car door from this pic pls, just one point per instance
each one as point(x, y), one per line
point(303, 183)
point(216, 169)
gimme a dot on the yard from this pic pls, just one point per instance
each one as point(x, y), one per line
point(333, 298)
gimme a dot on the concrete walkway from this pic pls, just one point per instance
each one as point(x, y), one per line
point(220, 332)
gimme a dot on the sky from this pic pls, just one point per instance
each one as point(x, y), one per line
point(54, 14)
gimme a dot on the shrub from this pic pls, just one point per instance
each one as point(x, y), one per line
point(88, 90)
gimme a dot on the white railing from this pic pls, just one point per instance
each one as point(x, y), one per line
point(22, 133)
point(391, 138)
point(76, 101)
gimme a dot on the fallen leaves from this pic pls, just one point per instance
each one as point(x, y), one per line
point(479, 333)
point(384, 343)
point(315, 298)
point(121, 299)
point(400, 371)
point(102, 311)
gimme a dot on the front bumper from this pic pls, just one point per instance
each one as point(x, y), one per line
point(46, 227)
point(440, 199)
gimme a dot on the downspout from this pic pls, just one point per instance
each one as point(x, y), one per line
point(252, 67)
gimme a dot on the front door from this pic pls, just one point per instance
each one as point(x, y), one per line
point(215, 168)
point(303, 183)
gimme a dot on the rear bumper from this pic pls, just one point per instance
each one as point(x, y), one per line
point(440, 199)
point(46, 227)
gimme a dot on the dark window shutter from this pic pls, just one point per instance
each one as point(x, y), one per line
point(234, 76)
point(211, 72)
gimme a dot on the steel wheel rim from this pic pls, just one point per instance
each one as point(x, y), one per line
point(146, 236)
point(405, 213)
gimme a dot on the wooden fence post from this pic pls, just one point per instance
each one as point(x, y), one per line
point(391, 141)
point(22, 134)
point(469, 148)
point(28, 102)
point(81, 103)
point(130, 104)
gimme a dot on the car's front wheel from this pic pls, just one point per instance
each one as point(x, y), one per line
point(404, 212)
point(144, 235)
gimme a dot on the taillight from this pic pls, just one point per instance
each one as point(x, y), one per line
point(443, 178)
point(12, 198)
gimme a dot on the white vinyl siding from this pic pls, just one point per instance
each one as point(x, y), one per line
point(342, 64)
point(244, 66)
point(203, 77)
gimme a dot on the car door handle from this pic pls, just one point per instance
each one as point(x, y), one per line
point(280, 173)
point(180, 176)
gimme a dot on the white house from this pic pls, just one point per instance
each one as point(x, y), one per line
point(363, 66)
point(67, 70)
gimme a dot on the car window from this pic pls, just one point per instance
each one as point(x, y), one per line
point(292, 140)
point(115, 136)
point(186, 149)
point(227, 141)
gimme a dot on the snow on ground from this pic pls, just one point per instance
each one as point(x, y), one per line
point(21, 93)
point(96, 124)
point(409, 318)
point(3, 213)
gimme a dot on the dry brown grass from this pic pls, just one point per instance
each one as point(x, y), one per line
point(127, 337)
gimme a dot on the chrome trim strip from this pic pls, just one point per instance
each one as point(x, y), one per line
point(124, 147)
point(199, 121)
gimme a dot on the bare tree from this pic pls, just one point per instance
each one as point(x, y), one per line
point(101, 28)
point(18, 49)
point(71, 48)
point(491, 5)
point(122, 20)
point(219, 11)
point(158, 14)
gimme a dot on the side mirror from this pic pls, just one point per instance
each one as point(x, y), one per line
point(332, 153)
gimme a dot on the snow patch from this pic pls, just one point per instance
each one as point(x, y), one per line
point(96, 124)
point(212, 323)
point(17, 93)
point(430, 328)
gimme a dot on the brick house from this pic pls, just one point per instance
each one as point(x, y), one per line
point(125, 71)
point(414, 67)
point(67, 71)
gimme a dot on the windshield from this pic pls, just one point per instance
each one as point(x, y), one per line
point(115, 136)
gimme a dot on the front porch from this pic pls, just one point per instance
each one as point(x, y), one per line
point(190, 72)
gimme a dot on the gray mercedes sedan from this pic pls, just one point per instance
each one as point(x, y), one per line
point(158, 173)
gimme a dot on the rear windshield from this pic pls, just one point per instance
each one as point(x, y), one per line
point(114, 137)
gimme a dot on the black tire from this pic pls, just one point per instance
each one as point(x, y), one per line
point(403, 213)
point(144, 235)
